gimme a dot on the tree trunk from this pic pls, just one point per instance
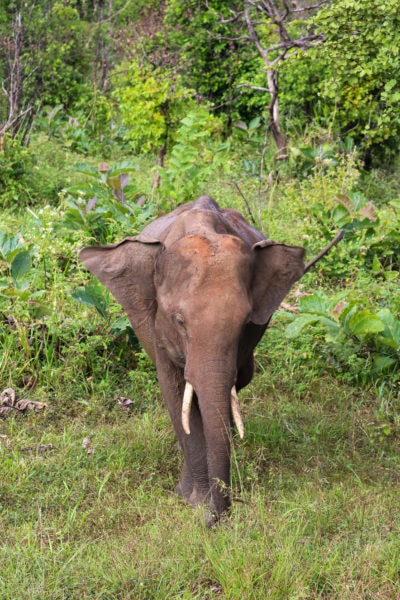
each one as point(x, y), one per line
point(273, 112)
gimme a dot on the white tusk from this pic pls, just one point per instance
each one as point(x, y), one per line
point(186, 406)
point(236, 412)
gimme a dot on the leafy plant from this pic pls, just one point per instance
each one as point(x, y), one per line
point(16, 163)
point(94, 296)
point(18, 268)
point(361, 64)
point(196, 154)
point(151, 102)
point(376, 333)
point(82, 130)
point(107, 202)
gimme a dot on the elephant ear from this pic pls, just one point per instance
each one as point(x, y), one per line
point(127, 270)
point(277, 267)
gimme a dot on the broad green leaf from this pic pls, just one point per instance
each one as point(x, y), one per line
point(86, 170)
point(365, 322)
point(299, 323)
point(340, 215)
point(316, 303)
point(120, 325)
point(92, 296)
point(9, 245)
point(122, 167)
point(21, 265)
point(330, 324)
point(392, 326)
point(381, 363)
point(254, 123)
point(358, 200)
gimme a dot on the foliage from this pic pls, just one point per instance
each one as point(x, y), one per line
point(107, 203)
point(151, 102)
point(373, 335)
point(86, 129)
point(18, 268)
point(213, 57)
point(301, 105)
point(70, 129)
point(16, 165)
point(372, 235)
point(93, 295)
point(196, 154)
point(39, 39)
point(361, 63)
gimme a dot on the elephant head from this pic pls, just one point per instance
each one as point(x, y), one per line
point(199, 286)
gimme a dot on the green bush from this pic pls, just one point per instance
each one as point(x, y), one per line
point(195, 156)
point(151, 102)
point(372, 335)
point(106, 204)
point(16, 165)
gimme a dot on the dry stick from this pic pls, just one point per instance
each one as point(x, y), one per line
point(335, 241)
point(249, 211)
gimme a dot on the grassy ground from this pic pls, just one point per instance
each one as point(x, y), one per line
point(316, 509)
point(87, 509)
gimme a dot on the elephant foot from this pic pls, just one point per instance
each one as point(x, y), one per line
point(198, 497)
point(193, 496)
point(182, 492)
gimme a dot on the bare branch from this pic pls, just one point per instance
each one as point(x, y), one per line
point(310, 8)
point(254, 87)
point(335, 241)
point(9, 123)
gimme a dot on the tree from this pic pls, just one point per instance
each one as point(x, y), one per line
point(275, 30)
point(361, 62)
point(211, 54)
point(226, 63)
point(50, 53)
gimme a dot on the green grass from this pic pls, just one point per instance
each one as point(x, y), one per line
point(315, 513)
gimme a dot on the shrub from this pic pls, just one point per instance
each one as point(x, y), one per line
point(373, 335)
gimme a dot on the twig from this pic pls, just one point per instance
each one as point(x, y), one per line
point(335, 241)
point(249, 211)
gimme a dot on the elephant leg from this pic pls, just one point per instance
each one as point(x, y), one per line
point(245, 373)
point(194, 483)
point(185, 485)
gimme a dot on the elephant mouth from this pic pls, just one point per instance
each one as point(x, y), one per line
point(187, 405)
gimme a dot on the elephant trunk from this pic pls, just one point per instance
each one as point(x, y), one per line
point(216, 394)
point(187, 404)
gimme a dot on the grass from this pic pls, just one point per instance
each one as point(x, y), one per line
point(315, 481)
point(316, 511)
point(315, 487)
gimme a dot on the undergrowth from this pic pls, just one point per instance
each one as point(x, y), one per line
point(87, 508)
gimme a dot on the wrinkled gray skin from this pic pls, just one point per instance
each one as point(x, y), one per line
point(199, 286)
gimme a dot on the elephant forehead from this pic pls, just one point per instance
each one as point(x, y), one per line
point(222, 256)
point(196, 260)
point(202, 247)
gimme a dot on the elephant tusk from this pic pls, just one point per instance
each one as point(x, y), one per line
point(186, 406)
point(236, 412)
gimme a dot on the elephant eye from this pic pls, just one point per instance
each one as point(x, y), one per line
point(179, 320)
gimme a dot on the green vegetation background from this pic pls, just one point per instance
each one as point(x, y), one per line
point(125, 110)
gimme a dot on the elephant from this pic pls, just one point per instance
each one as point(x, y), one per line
point(199, 286)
